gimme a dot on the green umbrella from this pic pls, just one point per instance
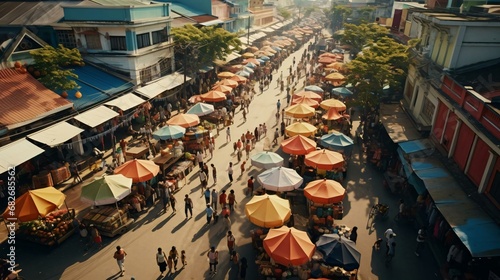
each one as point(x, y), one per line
point(267, 160)
point(106, 190)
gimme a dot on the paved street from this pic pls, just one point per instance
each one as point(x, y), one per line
point(363, 184)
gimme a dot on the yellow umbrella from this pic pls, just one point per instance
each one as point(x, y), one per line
point(248, 55)
point(335, 77)
point(268, 211)
point(299, 111)
point(336, 66)
point(225, 75)
point(333, 103)
point(300, 128)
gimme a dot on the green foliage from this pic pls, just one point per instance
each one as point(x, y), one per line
point(338, 15)
point(284, 13)
point(52, 65)
point(381, 63)
point(365, 15)
point(360, 35)
point(203, 45)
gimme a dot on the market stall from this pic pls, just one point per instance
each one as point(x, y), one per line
point(339, 258)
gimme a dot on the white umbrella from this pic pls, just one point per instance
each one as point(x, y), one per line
point(280, 179)
point(201, 109)
point(266, 160)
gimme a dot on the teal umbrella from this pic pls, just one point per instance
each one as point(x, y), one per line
point(248, 69)
point(314, 88)
point(264, 58)
point(342, 91)
point(201, 109)
point(250, 65)
point(169, 132)
point(266, 160)
point(337, 141)
point(243, 74)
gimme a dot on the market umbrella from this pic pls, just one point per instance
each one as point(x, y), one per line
point(335, 77)
point(201, 109)
point(195, 98)
point(314, 88)
point(184, 120)
point(326, 60)
point(169, 132)
point(324, 191)
point(225, 75)
point(338, 251)
point(324, 159)
point(289, 246)
point(228, 82)
point(243, 74)
point(251, 65)
point(298, 145)
point(332, 114)
point(337, 65)
point(305, 101)
point(138, 170)
point(248, 55)
point(248, 70)
point(266, 160)
point(268, 211)
point(239, 79)
point(252, 60)
point(337, 141)
point(309, 94)
point(34, 204)
point(333, 103)
point(213, 96)
point(252, 49)
point(280, 179)
point(342, 91)
point(222, 88)
point(300, 111)
point(300, 128)
point(107, 189)
point(264, 58)
point(327, 54)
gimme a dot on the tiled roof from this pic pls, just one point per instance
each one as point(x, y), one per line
point(23, 99)
point(204, 18)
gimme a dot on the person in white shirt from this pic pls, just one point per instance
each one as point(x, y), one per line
point(228, 134)
point(199, 158)
point(230, 172)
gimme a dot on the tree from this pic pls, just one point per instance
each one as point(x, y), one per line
point(360, 35)
point(51, 67)
point(284, 13)
point(338, 15)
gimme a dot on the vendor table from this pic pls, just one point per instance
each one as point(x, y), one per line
point(165, 161)
point(137, 152)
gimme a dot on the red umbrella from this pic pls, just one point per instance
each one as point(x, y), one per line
point(298, 145)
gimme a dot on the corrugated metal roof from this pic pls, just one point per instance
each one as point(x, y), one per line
point(26, 100)
point(204, 18)
point(35, 13)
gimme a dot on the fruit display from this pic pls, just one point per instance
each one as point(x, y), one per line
point(51, 230)
point(107, 219)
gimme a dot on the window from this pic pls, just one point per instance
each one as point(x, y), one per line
point(428, 109)
point(93, 42)
point(409, 91)
point(143, 40)
point(159, 36)
point(66, 38)
point(118, 43)
point(165, 66)
point(146, 75)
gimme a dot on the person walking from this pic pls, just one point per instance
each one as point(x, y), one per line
point(76, 173)
point(223, 199)
point(283, 128)
point(207, 196)
point(161, 261)
point(242, 167)
point(276, 136)
point(420, 241)
point(230, 172)
point(188, 206)
point(354, 234)
point(96, 236)
point(199, 158)
point(205, 169)
point(214, 173)
point(210, 213)
point(228, 134)
point(250, 186)
point(213, 259)
point(278, 105)
point(175, 256)
point(215, 197)
point(170, 264)
point(172, 202)
point(227, 223)
point(203, 180)
point(183, 258)
point(248, 147)
point(231, 241)
point(256, 133)
point(119, 256)
point(231, 200)
point(211, 149)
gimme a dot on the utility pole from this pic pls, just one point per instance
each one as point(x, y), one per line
point(248, 32)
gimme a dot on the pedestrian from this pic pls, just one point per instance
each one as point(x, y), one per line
point(420, 241)
point(391, 244)
point(250, 186)
point(242, 167)
point(230, 172)
point(223, 199)
point(354, 234)
point(119, 256)
point(96, 236)
point(276, 136)
point(277, 115)
point(75, 172)
point(183, 258)
point(203, 180)
point(278, 105)
point(264, 128)
point(210, 212)
point(170, 264)
point(288, 96)
point(239, 144)
point(206, 171)
point(231, 200)
point(161, 260)
point(234, 260)
point(227, 223)
point(243, 268)
point(215, 216)
point(256, 133)
point(214, 173)
point(248, 147)
point(173, 201)
point(199, 158)
point(215, 197)
point(231, 241)
point(213, 259)
point(235, 147)
point(228, 134)
point(211, 149)
point(244, 115)
point(188, 206)
point(207, 196)
point(175, 256)
point(283, 128)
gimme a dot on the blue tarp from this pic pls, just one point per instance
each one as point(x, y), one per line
point(409, 153)
point(415, 146)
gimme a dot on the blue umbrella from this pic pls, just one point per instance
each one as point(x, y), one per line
point(169, 132)
point(251, 65)
point(243, 74)
point(337, 251)
point(276, 48)
point(265, 58)
point(261, 60)
point(342, 91)
point(248, 69)
point(314, 88)
point(201, 109)
point(337, 141)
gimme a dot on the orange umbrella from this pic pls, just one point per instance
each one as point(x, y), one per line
point(35, 204)
point(213, 96)
point(305, 101)
point(222, 88)
point(239, 79)
point(333, 103)
point(300, 128)
point(138, 170)
point(289, 246)
point(252, 49)
point(326, 60)
point(327, 54)
point(225, 75)
point(309, 94)
point(324, 159)
point(184, 120)
point(335, 77)
point(337, 66)
point(332, 115)
point(324, 191)
point(298, 145)
point(228, 82)
point(252, 60)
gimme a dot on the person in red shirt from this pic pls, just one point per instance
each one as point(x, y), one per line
point(231, 200)
point(250, 186)
point(222, 199)
point(225, 211)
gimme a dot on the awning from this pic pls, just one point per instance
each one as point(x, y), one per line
point(165, 83)
point(56, 134)
point(15, 153)
point(268, 30)
point(278, 25)
point(411, 147)
point(232, 56)
point(126, 102)
point(397, 123)
point(211, 22)
point(96, 116)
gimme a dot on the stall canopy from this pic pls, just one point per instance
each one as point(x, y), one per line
point(15, 153)
point(126, 102)
point(56, 134)
point(398, 125)
point(165, 83)
point(412, 154)
point(96, 116)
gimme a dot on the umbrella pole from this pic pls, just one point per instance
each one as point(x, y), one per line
point(120, 216)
